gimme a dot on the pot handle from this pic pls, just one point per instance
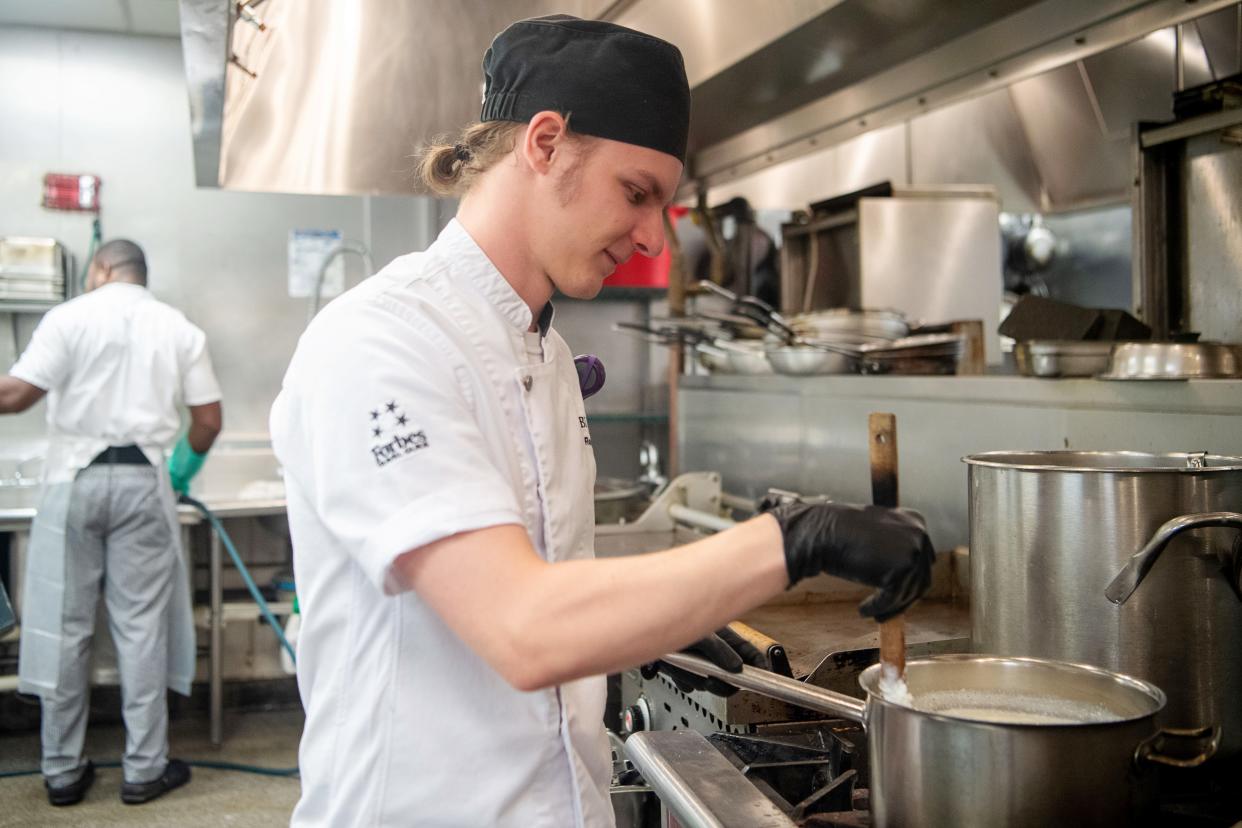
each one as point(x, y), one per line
point(1149, 750)
point(1128, 579)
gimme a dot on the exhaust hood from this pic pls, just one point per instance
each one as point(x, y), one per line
point(336, 97)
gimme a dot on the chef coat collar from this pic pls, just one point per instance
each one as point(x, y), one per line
point(465, 252)
point(133, 288)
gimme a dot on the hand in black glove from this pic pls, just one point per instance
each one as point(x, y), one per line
point(724, 648)
point(884, 548)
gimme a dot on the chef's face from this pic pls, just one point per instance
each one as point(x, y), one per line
point(606, 204)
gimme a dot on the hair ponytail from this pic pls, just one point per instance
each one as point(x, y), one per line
point(449, 168)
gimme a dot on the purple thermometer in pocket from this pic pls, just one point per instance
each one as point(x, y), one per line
point(590, 374)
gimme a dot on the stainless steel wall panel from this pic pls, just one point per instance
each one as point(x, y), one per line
point(755, 439)
point(977, 141)
point(810, 433)
point(1092, 266)
point(716, 34)
point(934, 259)
point(873, 158)
point(1078, 163)
point(346, 92)
point(1213, 250)
point(1219, 33)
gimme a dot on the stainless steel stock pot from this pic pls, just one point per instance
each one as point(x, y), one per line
point(1055, 570)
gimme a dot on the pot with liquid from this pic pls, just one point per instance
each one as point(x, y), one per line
point(986, 741)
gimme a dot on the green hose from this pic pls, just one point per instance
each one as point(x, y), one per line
point(245, 573)
point(194, 763)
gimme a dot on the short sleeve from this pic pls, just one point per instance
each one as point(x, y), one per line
point(386, 443)
point(198, 381)
point(46, 362)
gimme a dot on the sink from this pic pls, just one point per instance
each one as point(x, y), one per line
point(239, 474)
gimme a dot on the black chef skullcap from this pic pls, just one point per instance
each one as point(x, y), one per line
point(610, 81)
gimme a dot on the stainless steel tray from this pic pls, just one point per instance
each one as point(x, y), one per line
point(1062, 358)
point(1174, 361)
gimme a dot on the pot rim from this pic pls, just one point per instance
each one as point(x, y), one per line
point(1158, 697)
point(992, 459)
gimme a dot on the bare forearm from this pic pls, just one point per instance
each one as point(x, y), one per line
point(17, 395)
point(583, 618)
point(205, 424)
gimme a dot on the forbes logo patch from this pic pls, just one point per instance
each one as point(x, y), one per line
point(392, 436)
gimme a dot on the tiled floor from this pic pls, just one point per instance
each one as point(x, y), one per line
point(212, 798)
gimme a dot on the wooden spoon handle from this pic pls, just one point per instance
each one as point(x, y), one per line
point(882, 431)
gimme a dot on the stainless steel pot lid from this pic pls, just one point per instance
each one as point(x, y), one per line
point(1106, 461)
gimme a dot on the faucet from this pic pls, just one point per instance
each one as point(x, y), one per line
point(19, 479)
point(649, 459)
point(342, 248)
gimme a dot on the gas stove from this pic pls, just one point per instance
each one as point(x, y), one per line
point(747, 760)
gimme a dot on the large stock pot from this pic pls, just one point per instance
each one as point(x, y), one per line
point(1052, 532)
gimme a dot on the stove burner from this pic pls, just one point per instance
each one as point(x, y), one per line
point(808, 769)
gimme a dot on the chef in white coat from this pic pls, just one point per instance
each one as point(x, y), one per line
point(438, 464)
point(115, 364)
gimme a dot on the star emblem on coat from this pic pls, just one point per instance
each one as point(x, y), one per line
point(392, 435)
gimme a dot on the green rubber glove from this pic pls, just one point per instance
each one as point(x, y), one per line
point(183, 464)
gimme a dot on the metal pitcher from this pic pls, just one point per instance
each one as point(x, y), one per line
point(1089, 557)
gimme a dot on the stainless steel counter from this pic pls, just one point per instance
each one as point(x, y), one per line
point(19, 504)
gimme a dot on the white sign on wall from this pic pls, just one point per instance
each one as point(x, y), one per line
point(307, 250)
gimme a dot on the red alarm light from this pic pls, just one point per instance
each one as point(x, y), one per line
point(71, 192)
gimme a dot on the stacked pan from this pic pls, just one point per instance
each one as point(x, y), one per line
point(937, 353)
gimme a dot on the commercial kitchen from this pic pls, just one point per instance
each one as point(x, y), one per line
point(981, 261)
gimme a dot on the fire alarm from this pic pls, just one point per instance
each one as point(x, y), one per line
point(71, 192)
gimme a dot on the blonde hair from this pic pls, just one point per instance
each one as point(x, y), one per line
point(448, 169)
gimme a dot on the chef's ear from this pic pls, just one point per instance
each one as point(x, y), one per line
point(544, 141)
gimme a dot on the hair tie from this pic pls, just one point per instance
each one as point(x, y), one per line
point(462, 152)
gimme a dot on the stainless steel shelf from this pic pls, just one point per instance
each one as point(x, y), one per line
point(10, 306)
point(1191, 127)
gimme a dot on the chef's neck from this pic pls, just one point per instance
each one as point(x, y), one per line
point(497, 222)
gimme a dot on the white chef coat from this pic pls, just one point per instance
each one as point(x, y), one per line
point(116, 362)
point(415, 409)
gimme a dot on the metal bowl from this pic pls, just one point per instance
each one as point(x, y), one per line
point(1062, 358)
point(713, 359)
point(864, 324)
point(804, 360)
point(745, 357)
point(1173, 361)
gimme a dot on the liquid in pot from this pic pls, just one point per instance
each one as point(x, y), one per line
point(1006, 707)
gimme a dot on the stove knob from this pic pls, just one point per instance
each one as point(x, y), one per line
point(636, 717)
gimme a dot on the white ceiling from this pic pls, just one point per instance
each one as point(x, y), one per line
point(143, 17)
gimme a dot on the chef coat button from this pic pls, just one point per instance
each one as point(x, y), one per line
point(527, 382)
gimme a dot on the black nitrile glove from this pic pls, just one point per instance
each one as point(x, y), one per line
point(724, 648)
point(884, 548)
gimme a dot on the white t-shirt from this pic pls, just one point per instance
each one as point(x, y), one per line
point(116, 363)
point(401, 422)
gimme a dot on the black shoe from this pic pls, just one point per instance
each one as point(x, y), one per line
point(176, 774)
point(74, 792)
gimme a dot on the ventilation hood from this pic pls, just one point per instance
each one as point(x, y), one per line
point(316, 96)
